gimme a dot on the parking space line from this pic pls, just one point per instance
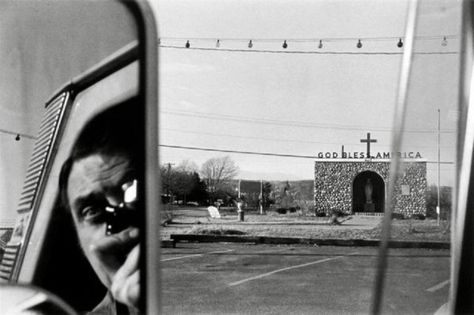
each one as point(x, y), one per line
point(272, 251)
point(198, 255)
point(438, 286)
point(288, 268)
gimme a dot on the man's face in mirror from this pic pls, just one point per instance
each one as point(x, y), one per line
point(95, 183)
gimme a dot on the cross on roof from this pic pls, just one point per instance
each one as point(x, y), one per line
point(368, 141)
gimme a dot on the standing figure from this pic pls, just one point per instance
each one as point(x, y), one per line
point(368, 191)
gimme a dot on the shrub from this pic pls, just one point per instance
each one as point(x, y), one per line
point(397, 216)
point(167, 217)
point(432, 200)
point(337, 212)
point(320, 214)
point(281, 210)
point(221, 232)
point(306, 207)
point(418, 216)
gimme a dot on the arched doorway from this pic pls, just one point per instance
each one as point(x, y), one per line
point(368, 192)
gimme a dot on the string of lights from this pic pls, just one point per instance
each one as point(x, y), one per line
point(286, 42)
point(388, 53)
point(17, 135)
point(396, 39)
point(320, 43)
point(255, 153)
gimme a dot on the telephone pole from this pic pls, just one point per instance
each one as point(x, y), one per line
point(438, 209)
point(169, 184)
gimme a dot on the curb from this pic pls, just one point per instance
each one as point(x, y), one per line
point(168, 244)
point(201, 238)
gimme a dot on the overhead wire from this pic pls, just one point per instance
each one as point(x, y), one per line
point(276, 139)
point(257, 153)
point(388, 53)
point(309, 40)
point(288, 122)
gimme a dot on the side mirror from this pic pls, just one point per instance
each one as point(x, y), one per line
point(24, 299)
point(85, 58)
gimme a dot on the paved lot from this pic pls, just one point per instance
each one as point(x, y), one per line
point(266, 279)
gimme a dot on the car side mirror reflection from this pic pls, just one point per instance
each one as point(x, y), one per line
point(67, 64)
point(24, 299)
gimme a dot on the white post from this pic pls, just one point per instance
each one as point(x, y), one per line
point(239, 189)
point(261, 196)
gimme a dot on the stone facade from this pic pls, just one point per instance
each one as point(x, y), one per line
point(338, 185)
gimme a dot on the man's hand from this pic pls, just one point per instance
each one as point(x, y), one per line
point(118, 256)
point(126, 282)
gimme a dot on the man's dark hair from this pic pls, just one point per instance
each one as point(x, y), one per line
point(116, 131)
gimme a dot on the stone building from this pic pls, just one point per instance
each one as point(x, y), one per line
point(360, 186)
point(357, 182)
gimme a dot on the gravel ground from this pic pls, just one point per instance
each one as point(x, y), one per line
point(294, 225)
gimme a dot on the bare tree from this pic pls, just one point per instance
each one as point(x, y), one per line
point(188, 166)
point(218, 171)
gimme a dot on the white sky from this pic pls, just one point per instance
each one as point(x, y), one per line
point(262, 102)
point(300, 104)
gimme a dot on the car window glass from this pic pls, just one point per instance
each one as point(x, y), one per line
point(430, 127)
point(288, 99)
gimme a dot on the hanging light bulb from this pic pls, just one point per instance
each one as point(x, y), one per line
point(17, 138)
point(320, 44)
point(359, 44)
point(285, 45)
point(250, 44)
point(188, 44)
point(218, 43)
point(400, 43)
point(444, 42)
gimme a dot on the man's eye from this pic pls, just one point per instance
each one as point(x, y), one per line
point(92, 213)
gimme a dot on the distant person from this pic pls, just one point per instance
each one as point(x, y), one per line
point(95, 183)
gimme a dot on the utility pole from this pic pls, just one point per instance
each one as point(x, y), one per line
point(169, 185)
point(438, 209)
point(240, 211)
point(261, 196)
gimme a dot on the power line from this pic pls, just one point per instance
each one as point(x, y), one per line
point(287, 122)
point(239, 152)
point(254, 153)
point(275, 139)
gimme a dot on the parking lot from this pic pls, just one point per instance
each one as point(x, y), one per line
point(221, 278)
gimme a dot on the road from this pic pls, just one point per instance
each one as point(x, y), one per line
point(269, 279)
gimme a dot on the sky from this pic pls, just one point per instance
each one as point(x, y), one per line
point(266, 99)
point(302, 100)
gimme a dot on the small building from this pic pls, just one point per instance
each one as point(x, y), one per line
point(357, 182)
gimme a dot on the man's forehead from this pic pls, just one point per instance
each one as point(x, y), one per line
point(98, 171)
point(97, 164)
